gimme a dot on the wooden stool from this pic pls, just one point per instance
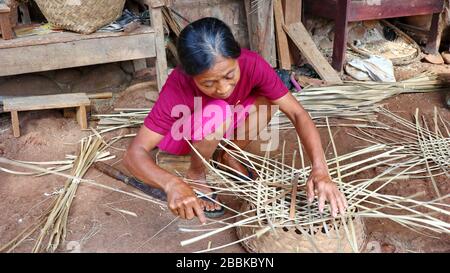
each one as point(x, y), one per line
point(76, 100)
point(5, 23)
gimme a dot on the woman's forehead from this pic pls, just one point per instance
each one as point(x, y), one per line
point(221, 68)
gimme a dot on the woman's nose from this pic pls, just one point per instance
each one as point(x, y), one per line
point(223, 88)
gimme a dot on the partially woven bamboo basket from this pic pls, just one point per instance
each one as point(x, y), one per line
point(82, 16)
point(292, 240)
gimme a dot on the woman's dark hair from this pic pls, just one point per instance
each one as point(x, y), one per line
point(202, 41)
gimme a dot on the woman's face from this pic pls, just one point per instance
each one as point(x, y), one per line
point(219, 81)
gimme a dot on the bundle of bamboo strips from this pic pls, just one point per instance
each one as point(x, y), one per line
point(270, 196)
point(53, 223)
point(354, 101)
point(357, 100)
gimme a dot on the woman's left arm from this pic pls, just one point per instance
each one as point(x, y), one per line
point(319, 182)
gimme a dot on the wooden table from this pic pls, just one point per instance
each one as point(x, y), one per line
point(68, 49)
point(345, 11)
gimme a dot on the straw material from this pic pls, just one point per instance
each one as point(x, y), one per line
point(83, 16)
point(357, 101)
point(266, 213)
point(296, 240)
point(419, 141)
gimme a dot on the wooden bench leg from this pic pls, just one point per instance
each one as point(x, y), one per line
point(139, 64)
point(15, 123)
point(340, 34)
point(433, 43)
point(82, 117)
point(5, 25)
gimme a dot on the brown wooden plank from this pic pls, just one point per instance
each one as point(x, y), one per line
point(261, 29)
point(82, 117)
point(370, 10)
point(300, 36)
point(15, 123)
point(284, 58)
point(292, 11)
point(76, 53)
point(5, 26)
point(66, 37)
point(160, 47)
point(45, 102)
point(360, 11)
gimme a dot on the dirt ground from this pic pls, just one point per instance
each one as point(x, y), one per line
point(96, 225)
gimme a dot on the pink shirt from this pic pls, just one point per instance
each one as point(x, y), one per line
point(257, 78)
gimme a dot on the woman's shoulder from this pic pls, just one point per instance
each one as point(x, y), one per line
point(249, 55)
point(249, 60)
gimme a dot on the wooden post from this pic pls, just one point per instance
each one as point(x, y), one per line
point(15, 123)
point(5, 23)
point(434, 37)
point(340, 34)
point(260, 21)
point(284, 58)
point(155, 7)
point(293, 13)
point(82, 117)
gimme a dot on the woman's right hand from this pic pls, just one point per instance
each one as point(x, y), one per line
point(183, 202)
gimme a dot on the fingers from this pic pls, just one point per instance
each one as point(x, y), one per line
point(322, 198)
point(181, 212)
point(199, 212)
point(173, 208)
point(310, 190)
point(328, 193)
point(188, 209)
point(341, 202)
point(333, 204)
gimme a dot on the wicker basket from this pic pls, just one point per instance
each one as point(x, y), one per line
point(284, 240)
point(83, 16)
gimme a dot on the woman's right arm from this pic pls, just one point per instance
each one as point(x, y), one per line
point(181, 199)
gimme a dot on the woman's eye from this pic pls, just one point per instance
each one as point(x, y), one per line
point(230, 76)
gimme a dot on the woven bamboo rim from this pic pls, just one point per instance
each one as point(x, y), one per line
point(396, 61)
point(83, 16)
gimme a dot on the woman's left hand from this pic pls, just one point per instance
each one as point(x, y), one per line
point(319, 183)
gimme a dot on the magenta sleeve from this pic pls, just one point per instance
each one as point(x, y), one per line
point(266, 81)
point(159, 119)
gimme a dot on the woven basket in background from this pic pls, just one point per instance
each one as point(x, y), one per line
point(82, 16)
